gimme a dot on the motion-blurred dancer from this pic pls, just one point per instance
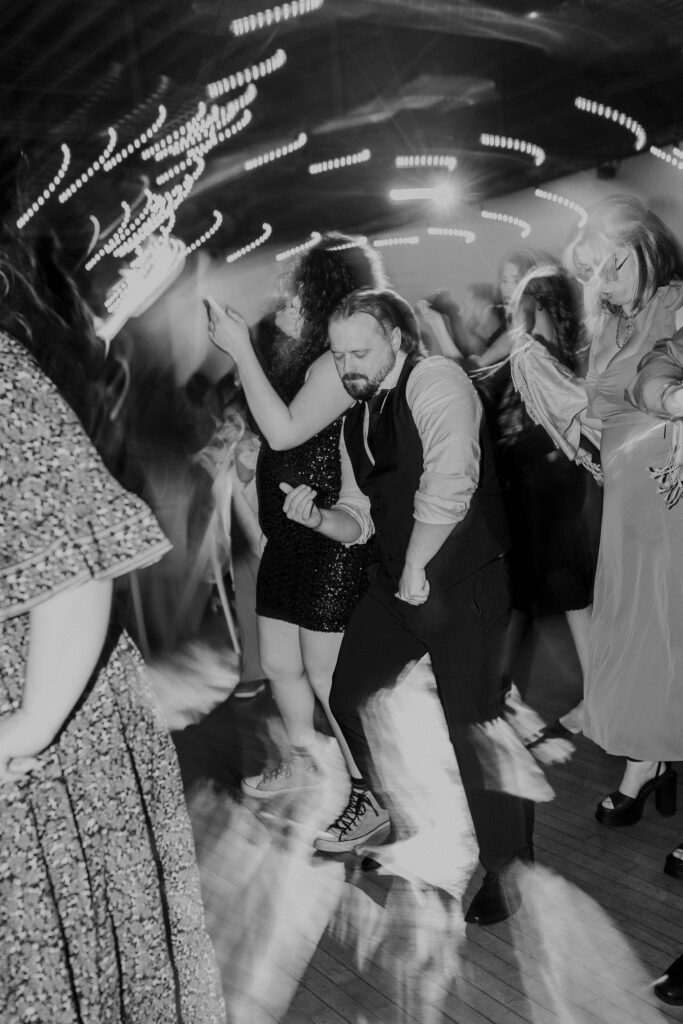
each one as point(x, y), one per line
point(418, 472)
point(307, 585)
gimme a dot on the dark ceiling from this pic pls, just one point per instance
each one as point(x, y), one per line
point(398, 77)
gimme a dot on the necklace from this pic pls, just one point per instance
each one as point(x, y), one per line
point(625, 325)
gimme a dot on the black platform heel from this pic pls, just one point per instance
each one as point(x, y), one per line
point(674, 865)
point(627, 810)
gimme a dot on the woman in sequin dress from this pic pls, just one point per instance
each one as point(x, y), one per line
point(101, 918)
point(307, 584)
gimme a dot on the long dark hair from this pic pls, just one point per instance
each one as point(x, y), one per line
point(550, 286)
point(41, 307)
point(329, 271)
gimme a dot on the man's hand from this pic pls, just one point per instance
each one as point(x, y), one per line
point(413, 587)
point(299, 505)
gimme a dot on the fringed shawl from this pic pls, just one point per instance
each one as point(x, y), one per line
point(556, 399)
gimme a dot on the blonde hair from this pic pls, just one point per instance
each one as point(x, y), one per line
point(623, 221)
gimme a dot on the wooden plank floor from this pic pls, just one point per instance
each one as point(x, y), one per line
point(305, 939)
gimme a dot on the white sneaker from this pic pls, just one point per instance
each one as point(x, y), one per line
point(293, 775)
point(362, 820)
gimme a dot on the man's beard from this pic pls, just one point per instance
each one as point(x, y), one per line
point(364, 388)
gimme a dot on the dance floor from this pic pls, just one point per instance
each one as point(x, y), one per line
point(307, 939)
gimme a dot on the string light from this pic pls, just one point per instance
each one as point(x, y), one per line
point(263, 237)
point(674, 160)
point(165, 205)
point(47, 192)
point(340, 161)
point(154, 261)
point(358, 241)
point(468, 236)
point(126, 227)
point(252, 74)
point(200, 132)
point(602, 110)
point(553, 197)
point(142, 282)
point(381, 243)
point(442, 195)
point(91, 170)
point(315, 237)
point(427, 160)
point(277, 153)
point(172, 142)
point(516, 145)
point(272, 16)
point(506, 218)
point(218, 220)
point(214, 139)
point(158, 209)
point(128, 150)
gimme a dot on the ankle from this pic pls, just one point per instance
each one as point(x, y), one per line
point(300, 750)
point(637, 773)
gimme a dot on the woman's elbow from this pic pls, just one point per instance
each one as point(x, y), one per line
point(283, 444)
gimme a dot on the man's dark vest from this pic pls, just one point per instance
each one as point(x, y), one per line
point(391, 484)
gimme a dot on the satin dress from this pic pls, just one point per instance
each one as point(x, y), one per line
point(634, 692)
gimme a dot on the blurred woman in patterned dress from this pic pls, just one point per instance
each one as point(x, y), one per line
point(101, 920)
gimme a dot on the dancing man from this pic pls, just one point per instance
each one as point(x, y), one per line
point(417, 470)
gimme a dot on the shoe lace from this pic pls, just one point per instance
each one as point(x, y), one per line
point(282, 771)
point(355, 809)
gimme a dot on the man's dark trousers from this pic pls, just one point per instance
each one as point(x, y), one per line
point(462, 629)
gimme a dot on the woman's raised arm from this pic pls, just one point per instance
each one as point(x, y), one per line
point(321, 399)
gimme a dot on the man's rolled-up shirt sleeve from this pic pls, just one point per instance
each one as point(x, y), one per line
point(351, 499)
point(447, 413)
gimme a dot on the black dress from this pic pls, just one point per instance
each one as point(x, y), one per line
point(554, 512)
point(304, 578)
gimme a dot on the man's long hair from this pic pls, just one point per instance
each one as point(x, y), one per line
point(389, 309)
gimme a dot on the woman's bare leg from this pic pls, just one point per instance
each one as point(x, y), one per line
point(319, 652)
point(282, 661)
point(579, 620)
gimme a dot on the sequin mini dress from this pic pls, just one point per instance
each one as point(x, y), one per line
point(304, 578)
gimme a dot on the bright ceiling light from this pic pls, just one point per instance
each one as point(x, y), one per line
point(442, 195)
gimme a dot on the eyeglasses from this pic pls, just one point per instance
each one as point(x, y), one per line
point(585, 274)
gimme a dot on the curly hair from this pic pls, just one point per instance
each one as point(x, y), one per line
point(623, 220)
point(329, 271)
point(41, 307)
point(550, 287)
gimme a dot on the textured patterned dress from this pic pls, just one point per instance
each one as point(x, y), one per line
point(304, 578)
point(101, 918)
